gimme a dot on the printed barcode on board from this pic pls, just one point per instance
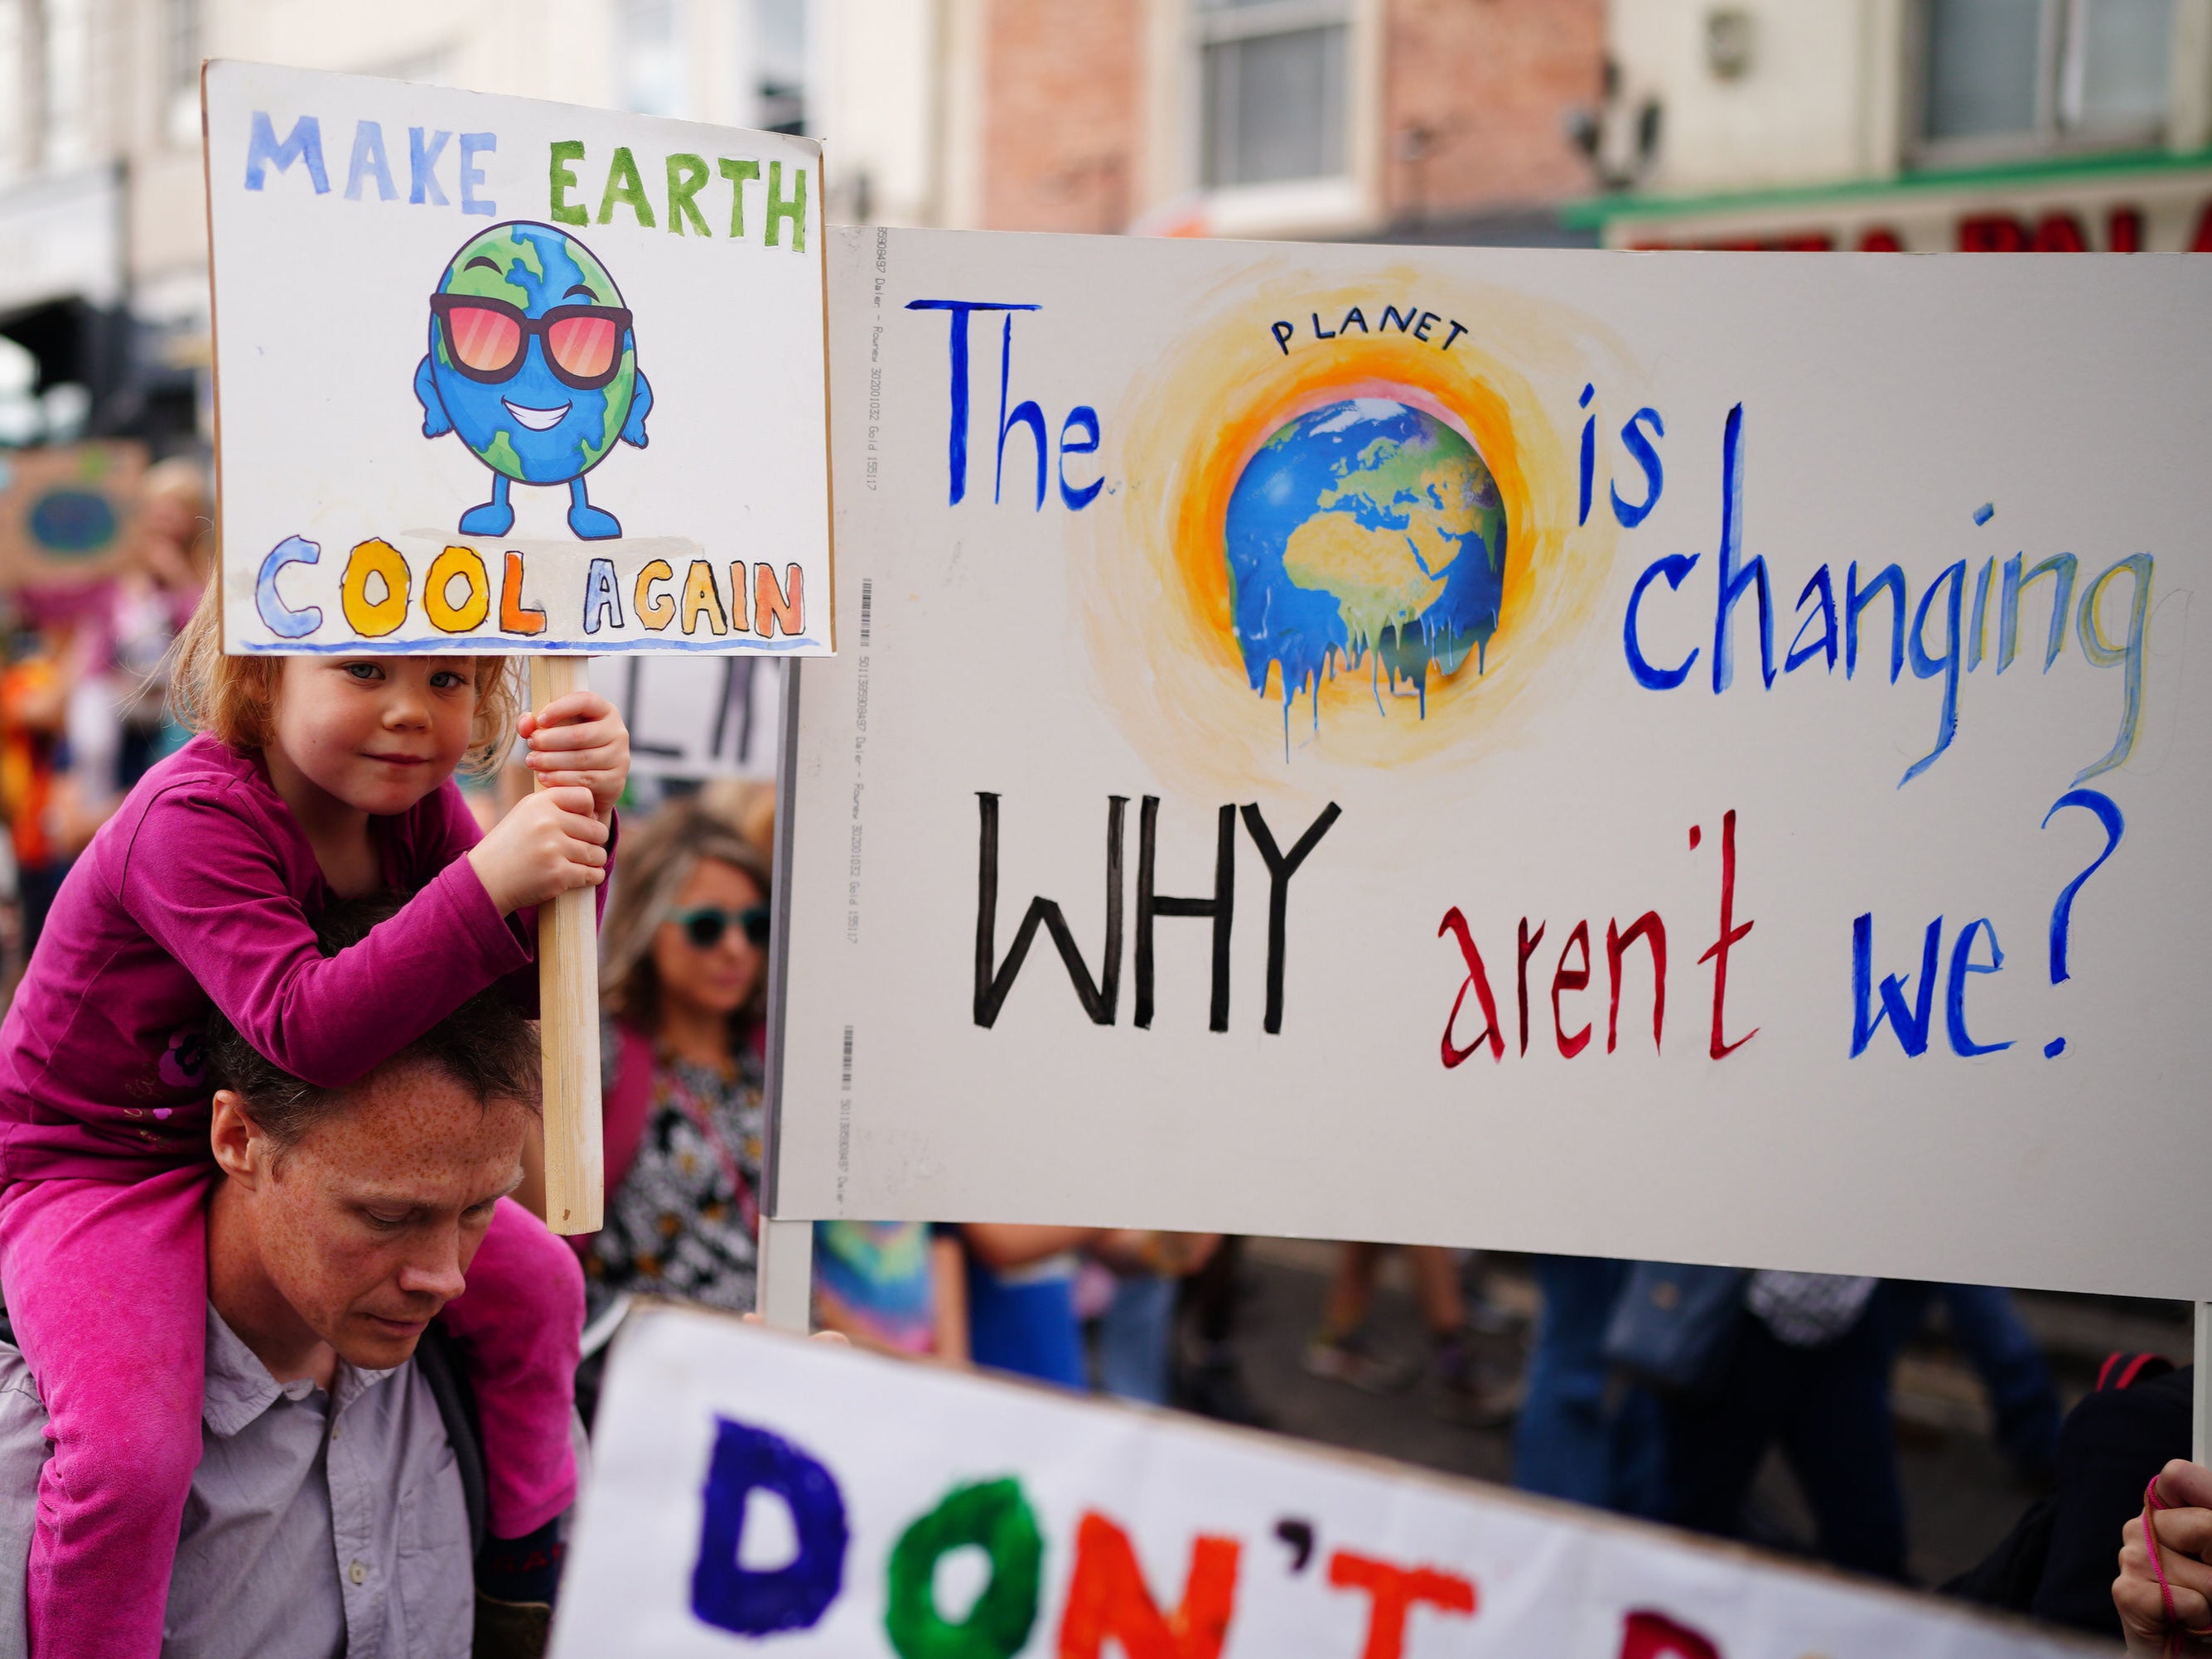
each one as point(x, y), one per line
point(867, 604)
point(848, 1060)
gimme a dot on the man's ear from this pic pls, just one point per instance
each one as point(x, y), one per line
point(242, 1150)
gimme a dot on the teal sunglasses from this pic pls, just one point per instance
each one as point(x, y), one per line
point(705, 923)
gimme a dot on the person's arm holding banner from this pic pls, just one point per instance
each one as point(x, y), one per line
point(2170, 1595)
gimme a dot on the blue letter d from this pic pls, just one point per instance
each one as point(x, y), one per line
point(790, 1597)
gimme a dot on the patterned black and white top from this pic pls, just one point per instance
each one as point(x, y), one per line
point(684, 1221)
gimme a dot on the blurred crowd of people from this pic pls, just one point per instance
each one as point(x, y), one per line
point(1649, 1389)
point(83, 696)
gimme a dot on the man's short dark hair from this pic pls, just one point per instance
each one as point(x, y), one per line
point(485, 1045)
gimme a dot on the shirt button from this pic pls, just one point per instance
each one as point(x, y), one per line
point(358, 1573)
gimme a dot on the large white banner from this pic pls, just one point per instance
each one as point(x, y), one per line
point(1692, 757)
point(754, 1491)
point(500, 376)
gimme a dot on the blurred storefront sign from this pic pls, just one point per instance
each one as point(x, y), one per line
point(2131, 205)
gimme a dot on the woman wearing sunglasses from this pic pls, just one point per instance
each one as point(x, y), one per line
point(684, 958)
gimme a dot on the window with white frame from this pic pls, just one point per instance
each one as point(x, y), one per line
point(1273, 85)
point(17, 94)
point(181, 51)
point(66, 70)
point(652, 61)
point(2001, 76)
point(779, 65)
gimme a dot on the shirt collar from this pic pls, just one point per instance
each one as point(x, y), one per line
point(240, 1388)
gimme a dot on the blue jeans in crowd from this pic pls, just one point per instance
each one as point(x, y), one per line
point(1136, 1335)
point(1582, 1436)
point(1828, 1409)
point(1988, 1327)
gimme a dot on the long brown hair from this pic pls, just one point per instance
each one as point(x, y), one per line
point(651, 865)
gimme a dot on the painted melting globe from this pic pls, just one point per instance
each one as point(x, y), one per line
point(1365, 533)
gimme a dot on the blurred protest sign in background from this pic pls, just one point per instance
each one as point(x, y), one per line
point(66, 513)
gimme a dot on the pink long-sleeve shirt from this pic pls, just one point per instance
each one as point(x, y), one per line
point(201, 890)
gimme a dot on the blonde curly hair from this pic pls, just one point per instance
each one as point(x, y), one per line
point(233, 698)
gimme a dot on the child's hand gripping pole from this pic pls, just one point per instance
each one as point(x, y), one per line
point(569, 1011)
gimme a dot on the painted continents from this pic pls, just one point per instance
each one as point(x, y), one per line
point(1364, 532)
point(532, 426)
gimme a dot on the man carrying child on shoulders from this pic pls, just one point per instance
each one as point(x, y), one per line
point(339, 1500)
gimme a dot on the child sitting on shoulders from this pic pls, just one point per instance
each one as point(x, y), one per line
point(312, 778)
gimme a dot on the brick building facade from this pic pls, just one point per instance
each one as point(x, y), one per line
point(1476, 99)
point(1063, 114)
point(1272, 117)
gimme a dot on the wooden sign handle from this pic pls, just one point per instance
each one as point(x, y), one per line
point(568, 1016)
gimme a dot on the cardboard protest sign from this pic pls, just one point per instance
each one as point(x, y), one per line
point(495, 375)
point(750, 1484)
point(1685, 757)
point(693, 717)
point(66, 513)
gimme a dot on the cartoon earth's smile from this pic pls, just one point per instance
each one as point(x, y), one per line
point(537, 420)
point(533, 365)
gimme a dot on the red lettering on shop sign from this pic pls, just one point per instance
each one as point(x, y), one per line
point(1992, 233)
point(2055, 232)
point(1647, 1634)
point(2059, 233)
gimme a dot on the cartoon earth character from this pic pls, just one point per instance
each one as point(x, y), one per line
point(532, 361)
point(1366, 530)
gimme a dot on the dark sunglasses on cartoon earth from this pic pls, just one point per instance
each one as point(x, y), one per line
point(486, 339)
point(705, 923)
